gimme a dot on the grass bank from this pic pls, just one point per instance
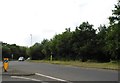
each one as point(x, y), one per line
point(113, 65)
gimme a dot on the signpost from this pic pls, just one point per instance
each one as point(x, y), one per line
point(12, 56)
point(51, 57)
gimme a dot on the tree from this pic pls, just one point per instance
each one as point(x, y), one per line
point(36, 52)
point(113, 39)
point(101, 52)
point(6, 52)
point(45, 44)
point(23, 52)
point(83, 37)
point(15, 51)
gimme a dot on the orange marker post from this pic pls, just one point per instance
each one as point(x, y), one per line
point(5, 64)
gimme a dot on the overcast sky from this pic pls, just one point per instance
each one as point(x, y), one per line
point(45, 18)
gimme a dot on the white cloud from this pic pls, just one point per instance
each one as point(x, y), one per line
point(45, 18)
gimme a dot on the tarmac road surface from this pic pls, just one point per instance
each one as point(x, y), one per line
point(50, 73)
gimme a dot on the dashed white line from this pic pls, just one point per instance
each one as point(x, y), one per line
point(19, 77)
point(58, 79)
point(50, 77)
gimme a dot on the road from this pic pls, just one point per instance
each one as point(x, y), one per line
point(0, 71)
point(49, 73)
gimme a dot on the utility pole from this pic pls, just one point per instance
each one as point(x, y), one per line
point(31, 39)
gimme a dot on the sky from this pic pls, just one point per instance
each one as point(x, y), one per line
point(45, 18)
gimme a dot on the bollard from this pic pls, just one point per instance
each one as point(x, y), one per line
point(5, 64)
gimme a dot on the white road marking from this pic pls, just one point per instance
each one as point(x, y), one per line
point(50, 77)
point(19, 77)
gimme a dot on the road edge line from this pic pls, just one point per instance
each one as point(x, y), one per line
point(19, 77)
point(54, 78)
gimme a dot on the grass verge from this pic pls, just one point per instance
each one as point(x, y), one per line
point(113, 65)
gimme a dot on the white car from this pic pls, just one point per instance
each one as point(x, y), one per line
point(28, 58)
point(21, 59)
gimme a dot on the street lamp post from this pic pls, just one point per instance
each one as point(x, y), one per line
point(31, 39)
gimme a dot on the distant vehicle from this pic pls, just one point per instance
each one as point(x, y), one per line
point(28, 58)
point(21, 59)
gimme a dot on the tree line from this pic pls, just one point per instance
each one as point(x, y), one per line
point(84, 43)
point(14, 51)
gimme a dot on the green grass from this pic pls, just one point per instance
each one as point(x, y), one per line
point(113, 65)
